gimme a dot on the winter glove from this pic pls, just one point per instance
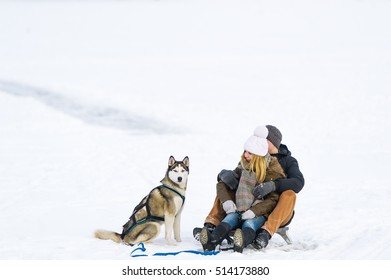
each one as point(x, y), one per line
point(263, 189)
point(229, 206)
point(248, 215)
point(230, 178)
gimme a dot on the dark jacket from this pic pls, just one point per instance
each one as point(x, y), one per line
point(294, 178)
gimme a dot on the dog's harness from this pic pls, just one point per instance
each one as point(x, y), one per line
point(148, 217)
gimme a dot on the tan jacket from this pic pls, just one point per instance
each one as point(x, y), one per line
point(260, 207)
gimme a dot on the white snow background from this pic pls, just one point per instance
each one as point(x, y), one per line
point(96, 95)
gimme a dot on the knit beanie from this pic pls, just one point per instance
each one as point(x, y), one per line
point(274, 135)
point(256, 145)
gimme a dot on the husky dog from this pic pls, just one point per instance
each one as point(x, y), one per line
point(163, 204)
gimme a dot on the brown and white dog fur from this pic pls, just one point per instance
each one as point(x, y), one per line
point(164, 201)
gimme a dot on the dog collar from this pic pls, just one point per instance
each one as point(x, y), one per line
point(175, 191)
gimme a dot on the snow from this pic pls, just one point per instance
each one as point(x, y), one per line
point(96, 95)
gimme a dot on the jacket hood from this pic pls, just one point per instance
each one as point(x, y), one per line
point(283, 150)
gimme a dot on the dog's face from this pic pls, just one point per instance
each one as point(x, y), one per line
point(178, 171)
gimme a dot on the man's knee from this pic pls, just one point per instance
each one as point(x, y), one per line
point(288, 199)
point(288, 194)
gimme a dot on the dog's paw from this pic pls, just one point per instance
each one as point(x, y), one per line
point(171, 242)
point(178, 239)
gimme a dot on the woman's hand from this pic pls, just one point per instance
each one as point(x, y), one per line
point(229, 206)
point(248, 215)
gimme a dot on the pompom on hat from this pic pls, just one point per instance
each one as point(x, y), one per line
point(256, 145)
point(261, 131)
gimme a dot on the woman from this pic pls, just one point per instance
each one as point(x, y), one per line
point(235, 191)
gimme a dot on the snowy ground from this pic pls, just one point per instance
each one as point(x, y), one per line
point(96, 95)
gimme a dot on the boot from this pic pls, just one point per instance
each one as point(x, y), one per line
point(210, 240)
point(262, 239)
point(205, 239)
point(242, 238)
point(197, 230)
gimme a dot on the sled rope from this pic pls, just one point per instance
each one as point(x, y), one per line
point(211, 253)
point(143, 249)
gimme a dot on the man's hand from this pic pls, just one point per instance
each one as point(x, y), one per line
point(264, 189)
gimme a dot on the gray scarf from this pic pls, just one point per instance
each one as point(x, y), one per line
point(244, 194)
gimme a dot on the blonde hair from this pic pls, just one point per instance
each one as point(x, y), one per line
point(257, 164)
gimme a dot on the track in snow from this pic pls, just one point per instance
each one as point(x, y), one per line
point(97, 115)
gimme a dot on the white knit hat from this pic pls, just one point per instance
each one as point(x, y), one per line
point(256, 145)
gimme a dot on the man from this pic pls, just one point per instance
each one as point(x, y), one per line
point(287, 187)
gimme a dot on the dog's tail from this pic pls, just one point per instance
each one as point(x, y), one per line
point(108, 235)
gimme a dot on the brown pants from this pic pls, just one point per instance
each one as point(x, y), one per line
point(280, 216)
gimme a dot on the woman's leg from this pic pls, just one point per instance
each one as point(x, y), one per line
point(255, 224)
point(210, 240)
point(246, 235)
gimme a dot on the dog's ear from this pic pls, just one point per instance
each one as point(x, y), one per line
point(171, 161)
point(186, 161)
